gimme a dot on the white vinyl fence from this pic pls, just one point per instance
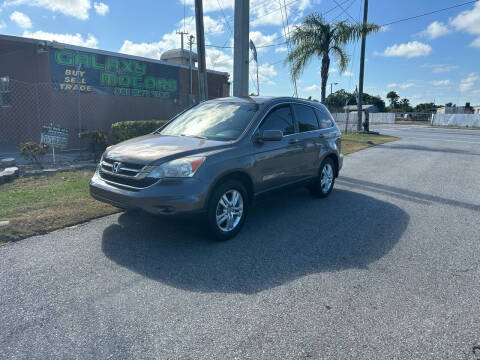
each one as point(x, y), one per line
point(466, 120)
point(375, 118)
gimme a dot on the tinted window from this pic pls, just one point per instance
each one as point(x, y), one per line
point(307, 121)
point(279, 118)
point(323, 119)
point(216, 121)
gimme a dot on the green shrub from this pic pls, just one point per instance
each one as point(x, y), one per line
point(33, 152)
point(124, 130)
point(97, 142)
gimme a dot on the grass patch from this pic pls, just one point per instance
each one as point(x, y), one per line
point(40, 204)
point(44, 203)
point(355, 142)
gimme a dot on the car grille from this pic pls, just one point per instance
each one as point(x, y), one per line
point(125, 174)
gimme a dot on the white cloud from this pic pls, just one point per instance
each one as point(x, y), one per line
point(313, 88)
point(347, 73)
point(260, 39)
point(151, 50)
point(409, 50)
point(101, 8)
point(440, 68)
point(73, 39)
point(2, 24)
point(21, 20)
point(210, 25)
point(469, 21)
point(279, 49)
point(268, 12)
point(401, 86)
point(266, 73)
point(211, 5)
point(331, 71)
point(435, 30)
point(170, 40)
point(75, 8)
point(218, 60)
point(468, 83)
point(441, 82)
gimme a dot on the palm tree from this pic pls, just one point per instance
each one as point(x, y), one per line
point(316, 37)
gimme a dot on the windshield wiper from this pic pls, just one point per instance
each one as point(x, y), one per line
point(195, 136)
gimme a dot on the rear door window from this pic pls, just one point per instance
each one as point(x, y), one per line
point(280, 118)
point(323, 119)
point(307, 121)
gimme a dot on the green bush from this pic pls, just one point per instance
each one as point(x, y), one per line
point(97, 142)
point(124, 130)
point(33, 152)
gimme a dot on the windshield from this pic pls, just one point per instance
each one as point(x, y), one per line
point(215, 121)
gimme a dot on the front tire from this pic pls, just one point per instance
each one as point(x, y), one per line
point(227, 209)
point(323, 184)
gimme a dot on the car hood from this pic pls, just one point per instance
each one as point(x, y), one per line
point(155, 148)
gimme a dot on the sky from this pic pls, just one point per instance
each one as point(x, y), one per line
point(431, 58)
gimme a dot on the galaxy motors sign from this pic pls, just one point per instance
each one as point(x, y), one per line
point(85, 72)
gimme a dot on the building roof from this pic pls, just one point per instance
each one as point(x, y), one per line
point(178, 53)
point(7, 41)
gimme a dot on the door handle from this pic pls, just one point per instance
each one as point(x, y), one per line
point(293, 141)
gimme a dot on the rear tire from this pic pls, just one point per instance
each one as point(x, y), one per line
point(227, 209)
point(323, 184)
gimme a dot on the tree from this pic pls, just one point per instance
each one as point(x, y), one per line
point(373, 100)
point(405, 105)
point(315, 37)
point(393, 97)
point(339, 99)
point(426, 107)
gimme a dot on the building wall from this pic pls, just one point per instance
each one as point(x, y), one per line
point(35, 103)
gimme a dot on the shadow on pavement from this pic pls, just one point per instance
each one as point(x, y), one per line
point(405, 194)
point(286, 236)
point(430, 149)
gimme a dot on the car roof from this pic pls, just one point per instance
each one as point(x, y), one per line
point(266, 100)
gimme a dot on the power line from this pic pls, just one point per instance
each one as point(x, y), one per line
point(345, 11)
point(431, 12)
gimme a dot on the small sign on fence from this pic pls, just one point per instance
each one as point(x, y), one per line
point(55, 136)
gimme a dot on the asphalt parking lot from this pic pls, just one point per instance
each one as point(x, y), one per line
point(386, 268)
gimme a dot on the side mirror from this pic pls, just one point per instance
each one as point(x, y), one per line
point(270, 135)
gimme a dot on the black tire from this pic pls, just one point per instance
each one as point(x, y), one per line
point(316, 189)
point(226, 188)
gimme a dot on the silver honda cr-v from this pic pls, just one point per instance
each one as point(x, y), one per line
point(216, 157)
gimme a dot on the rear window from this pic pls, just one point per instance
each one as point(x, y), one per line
point(307, 121)
point(323, 119)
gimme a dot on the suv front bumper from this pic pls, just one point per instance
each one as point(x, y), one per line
point(166, 197)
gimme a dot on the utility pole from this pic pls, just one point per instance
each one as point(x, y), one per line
point(240, 48)
point(202, 68)
point(362, 69)
point(181, 33)
point(190, 96)
point(331, 87)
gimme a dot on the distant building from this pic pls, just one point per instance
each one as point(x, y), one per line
point(476, 109)
point(467, 109)
point(354, 108)
point(179, 56)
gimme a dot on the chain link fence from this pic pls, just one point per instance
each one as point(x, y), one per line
point(26, 107)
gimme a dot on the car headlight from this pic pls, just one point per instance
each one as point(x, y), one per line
point(179, 168)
